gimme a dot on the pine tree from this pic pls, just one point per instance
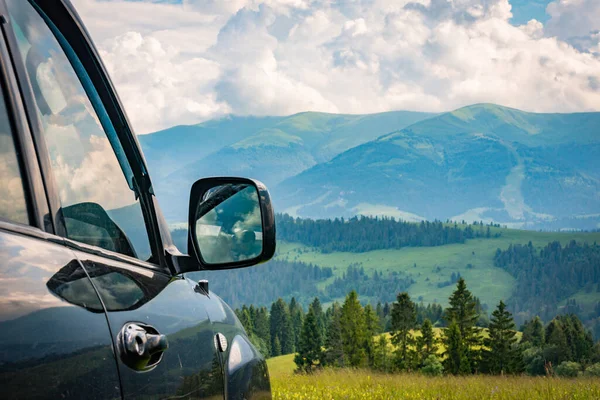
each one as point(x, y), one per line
point(386, 309)
point(262, 330)
point(310, 352)
point(427, 342)
point(372, 329)
point(579, 340)
point(404, 318)
point(334, 353)
point(381, 315)
point(281, 327)
point(296, 316)
point(246, 319)
point(463, 311)
point(567, 340)
point(456, 361)
point(353, 329)
point(557, 349)
point(320, 315)
point(533, 332)
point(501, 355)
point(382, 360)
point(276, 349)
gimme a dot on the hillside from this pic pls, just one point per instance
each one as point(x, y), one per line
point(482, 162)
point(427, 272)
point(432, 267)
point(270, 149)
point(479, 163)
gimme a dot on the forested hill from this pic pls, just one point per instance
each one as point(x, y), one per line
point(361, 234)
point(547, 277)
point(535, 273)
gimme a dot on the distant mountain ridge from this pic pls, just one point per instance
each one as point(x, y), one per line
point(481, 162)
point(271, 149)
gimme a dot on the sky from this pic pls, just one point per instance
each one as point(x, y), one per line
point(179, 62)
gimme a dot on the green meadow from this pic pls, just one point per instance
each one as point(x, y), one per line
point(430, 266)
point(351, 384)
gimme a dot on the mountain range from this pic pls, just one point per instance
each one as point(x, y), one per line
point(482, 162)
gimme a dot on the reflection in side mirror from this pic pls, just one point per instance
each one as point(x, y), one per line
point(231, 223)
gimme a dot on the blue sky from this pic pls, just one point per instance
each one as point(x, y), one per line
point(188, 61)
point(525, 10)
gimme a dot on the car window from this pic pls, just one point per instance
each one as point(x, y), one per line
point(13, 206)
point(96, 187)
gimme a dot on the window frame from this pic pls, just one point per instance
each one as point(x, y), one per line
point(33, 187)
point(60, 16)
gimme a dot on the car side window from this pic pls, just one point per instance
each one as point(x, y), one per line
point(95, 183)
point(13, 206)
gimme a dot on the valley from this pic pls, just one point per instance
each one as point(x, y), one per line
point(511, 177)
point(430, 266)
point(427, 272)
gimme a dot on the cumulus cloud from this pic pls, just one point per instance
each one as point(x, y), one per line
point(274, 57)
point(575, 21)
point(161, 86)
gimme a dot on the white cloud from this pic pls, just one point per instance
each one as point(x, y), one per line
point(12, 201)
point(575, 21)
point(160, 86)
point(175, 64)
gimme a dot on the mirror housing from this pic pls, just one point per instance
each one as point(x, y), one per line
point(219, 210)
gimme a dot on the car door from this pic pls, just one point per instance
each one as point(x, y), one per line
point(159, 304)
point(50, 346)
point(100, 202)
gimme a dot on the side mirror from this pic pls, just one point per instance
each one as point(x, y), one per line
point(231, 223)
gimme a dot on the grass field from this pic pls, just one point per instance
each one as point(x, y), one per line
point(436, 264)
point(360, 384)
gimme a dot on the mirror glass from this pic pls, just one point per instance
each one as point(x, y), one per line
point(229, 224)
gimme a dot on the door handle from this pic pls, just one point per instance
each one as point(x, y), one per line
point(141, 346)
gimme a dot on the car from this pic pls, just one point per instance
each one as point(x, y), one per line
point(96, 301)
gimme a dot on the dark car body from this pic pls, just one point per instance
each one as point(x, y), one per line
point(66, 301)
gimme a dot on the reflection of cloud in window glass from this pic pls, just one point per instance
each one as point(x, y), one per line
point(12, 196)
point(97, 179)
point(84, 163)
point(49, 87)
point(83, 159)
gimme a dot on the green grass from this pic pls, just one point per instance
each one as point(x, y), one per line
point(362, 384)
point(436, 264)
point(281, 366)
point(359, 384)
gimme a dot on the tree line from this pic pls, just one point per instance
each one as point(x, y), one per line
point(351, 335)
point(551, 275)
point(256, 285)
point(299, 280)
point(376, 285)
point(361, 234)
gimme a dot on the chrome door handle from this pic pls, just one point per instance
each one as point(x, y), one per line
point(141, 346)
